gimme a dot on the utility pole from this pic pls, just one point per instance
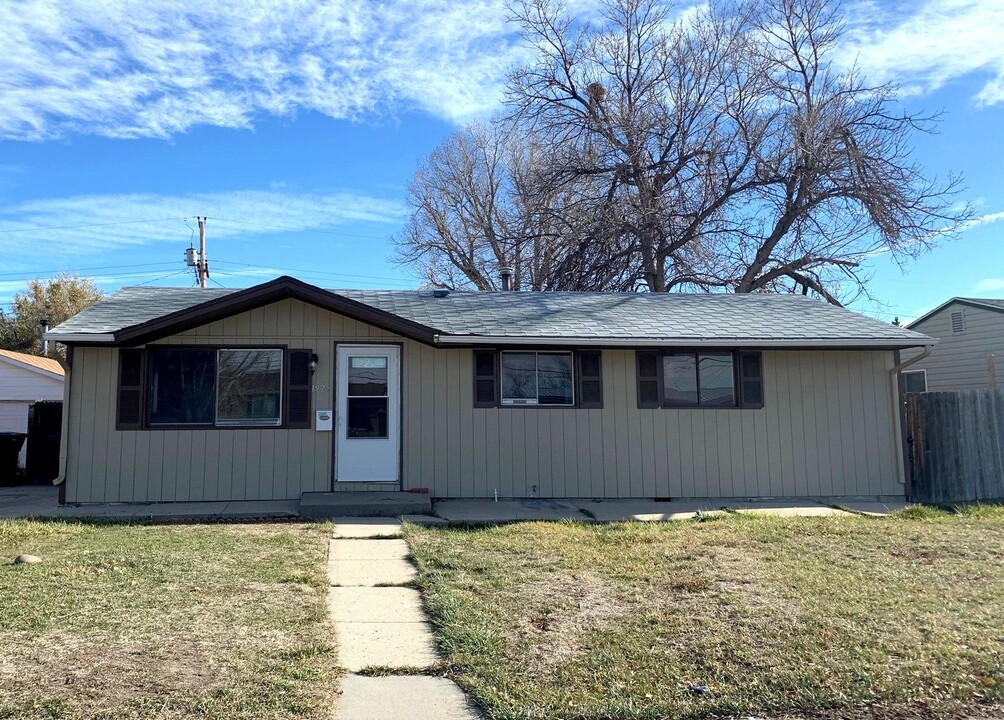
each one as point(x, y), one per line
point(203, 268)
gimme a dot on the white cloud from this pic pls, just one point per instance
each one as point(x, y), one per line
point(88, 223)
point(988, 285)
point(125, 69)
point(923, 46)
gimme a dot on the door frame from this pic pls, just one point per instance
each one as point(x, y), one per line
point(400, 413)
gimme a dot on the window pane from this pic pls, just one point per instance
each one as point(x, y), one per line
point(368, 376)
point(367, 417)
point(717, 380)
point(679, 379)
point(249, 387)
point(554, 379)
point(181, 388)
point(916, 382)
point(519, 377)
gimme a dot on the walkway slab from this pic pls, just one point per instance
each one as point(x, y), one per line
point(375, 604)
point(785, 508)
point(400, 645)
point(361, 503)
point(489, 511)
point(402, 698)
point(355, 549)
point(370, 573)
point(360, 528)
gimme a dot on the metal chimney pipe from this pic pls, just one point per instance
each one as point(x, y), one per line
point(505, 275)
point(43, 329)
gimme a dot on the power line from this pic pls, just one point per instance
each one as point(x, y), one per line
point(26, 273)
point(73, 227)
point(162, 277)
point(294, 229)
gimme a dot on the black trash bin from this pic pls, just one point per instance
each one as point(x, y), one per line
point(10, 448)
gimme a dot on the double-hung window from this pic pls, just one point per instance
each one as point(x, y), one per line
point(537, 378)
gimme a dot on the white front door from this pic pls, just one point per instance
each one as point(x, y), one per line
point(368, 413)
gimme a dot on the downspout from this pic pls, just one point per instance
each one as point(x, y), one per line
point(896, 410)
point(64, 435)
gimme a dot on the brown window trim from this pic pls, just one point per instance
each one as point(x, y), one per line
point(576, 377)
point(737, 378)
point(148, 426)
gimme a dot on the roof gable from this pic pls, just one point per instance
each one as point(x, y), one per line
point(994, 305)
point(41, 365)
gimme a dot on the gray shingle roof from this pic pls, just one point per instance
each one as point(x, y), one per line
point(597, 317)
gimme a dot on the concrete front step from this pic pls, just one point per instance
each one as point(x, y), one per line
point(356, 503)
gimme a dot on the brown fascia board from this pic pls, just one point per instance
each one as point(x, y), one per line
point(264, 294)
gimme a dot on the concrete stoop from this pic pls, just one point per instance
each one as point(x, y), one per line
point(380, 624)
point(363, 504)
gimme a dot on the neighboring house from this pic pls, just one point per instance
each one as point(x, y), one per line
point(970, 349)
point(285, 388)
point(23, 380)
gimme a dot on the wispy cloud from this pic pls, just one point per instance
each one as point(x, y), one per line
point(922, 46)
point(122, 69)
point(988, 285)
point(88, 223)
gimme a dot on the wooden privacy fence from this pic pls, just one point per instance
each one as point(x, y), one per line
point(956, 446)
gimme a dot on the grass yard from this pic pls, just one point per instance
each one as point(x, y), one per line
point(815, 617)
point(165, 621)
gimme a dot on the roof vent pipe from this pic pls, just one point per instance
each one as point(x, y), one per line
point(505, 275)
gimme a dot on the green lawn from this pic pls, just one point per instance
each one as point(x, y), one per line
point(818, 617)
point(165, 621)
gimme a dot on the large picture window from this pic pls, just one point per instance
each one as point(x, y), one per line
point(537, 378)
point(224, 387)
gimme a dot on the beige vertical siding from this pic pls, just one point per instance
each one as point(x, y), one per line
point(826, 430)
point(959, 362)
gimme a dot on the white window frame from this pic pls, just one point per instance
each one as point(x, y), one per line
point(250, 422)
point(526, 402)
point(923, 372)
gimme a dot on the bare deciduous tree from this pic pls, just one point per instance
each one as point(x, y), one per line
point(718, 149)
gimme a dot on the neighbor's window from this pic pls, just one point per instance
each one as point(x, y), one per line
point(699, 380)
point(180, 386)
point(915, 381)
point(249, 387)
point(537, 378)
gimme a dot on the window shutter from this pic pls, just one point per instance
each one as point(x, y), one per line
point(751, 379)
point(649, 379)
point(485, 378)
point(130, 390)
point(590, 379)
point(298, 389)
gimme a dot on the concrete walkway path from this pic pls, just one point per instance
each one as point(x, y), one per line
point(380, 626)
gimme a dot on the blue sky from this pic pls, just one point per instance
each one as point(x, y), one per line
point(295, 128)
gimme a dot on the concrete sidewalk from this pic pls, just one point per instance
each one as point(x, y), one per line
point(380, 624)
point(42, 501)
